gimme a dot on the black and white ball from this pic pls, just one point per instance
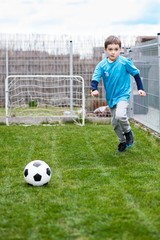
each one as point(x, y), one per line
point(37, 173)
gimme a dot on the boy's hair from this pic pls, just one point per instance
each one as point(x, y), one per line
point(112, 40)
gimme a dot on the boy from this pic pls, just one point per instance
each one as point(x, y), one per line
point(115, 70)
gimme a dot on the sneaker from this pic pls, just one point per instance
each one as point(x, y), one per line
point(129, 139)
point(122, 147)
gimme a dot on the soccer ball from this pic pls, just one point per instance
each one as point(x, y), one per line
point(37, 173)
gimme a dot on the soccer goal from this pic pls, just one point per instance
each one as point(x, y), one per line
point(35, 99)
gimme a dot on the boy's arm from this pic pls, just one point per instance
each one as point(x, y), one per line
point(138, 82)
point(96, 79)
point(94, 85)
point(94, 88)
point(140, 88)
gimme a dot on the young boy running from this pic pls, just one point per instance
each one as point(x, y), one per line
point(115, 70)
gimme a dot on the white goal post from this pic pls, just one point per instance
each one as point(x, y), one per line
point(34, 99)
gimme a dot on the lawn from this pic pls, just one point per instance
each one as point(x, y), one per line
point(94, 193)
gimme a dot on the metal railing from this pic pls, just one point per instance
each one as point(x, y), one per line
point(146, 57)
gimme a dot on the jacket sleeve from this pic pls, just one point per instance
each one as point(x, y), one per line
point(94, 85)
point(138, 82)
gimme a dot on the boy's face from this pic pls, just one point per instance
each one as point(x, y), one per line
point(113, 51)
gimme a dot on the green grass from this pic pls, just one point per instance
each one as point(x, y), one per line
point(95, 193)
point(2, 112)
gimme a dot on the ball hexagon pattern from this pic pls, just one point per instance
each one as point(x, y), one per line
point(37, 173)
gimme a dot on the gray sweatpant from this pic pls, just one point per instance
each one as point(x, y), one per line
point(120, 121)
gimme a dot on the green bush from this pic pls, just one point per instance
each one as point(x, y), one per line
point(33, 103)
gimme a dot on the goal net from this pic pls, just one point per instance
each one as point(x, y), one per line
point(35, 99)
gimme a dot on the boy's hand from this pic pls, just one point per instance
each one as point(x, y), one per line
point(94, 93)
point(142, 93)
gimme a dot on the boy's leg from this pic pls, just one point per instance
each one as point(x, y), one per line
point(121, 116)
point(117, 127)
point(121, 125)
